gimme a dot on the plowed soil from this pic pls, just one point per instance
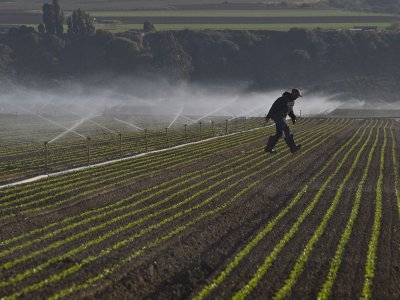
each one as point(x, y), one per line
point(173, 232)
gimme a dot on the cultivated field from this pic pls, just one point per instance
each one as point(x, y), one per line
point(141, 4)
point(73, 142)
point(216, 220)
point(204, 17)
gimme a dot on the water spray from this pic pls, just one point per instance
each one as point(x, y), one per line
point(104, 127)
point(54, 123)
point(89, 119)
point(176, 117)
point(71, 129)
point(214, 111)
point(187, 118)
point(248, 112)
point(137, 127)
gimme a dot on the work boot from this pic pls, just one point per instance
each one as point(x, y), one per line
point(272, 140)
point(290, 142)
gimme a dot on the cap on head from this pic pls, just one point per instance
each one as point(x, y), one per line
point(296, 92)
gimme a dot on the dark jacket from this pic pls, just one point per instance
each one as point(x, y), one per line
point(282, 107)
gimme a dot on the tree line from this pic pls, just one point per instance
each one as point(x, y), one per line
point(365, 62)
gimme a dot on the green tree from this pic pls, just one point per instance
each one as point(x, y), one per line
point(58, 18)
point(53, 18)
point(5, 57)
point(48, 18)
point(148, 26)
point(41, 28)
point(80, 23)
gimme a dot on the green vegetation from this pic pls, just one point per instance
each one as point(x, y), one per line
point(93, 247)
point(376, 230)
point(336, 261)
point(119, 27)
point(22, 157)
point(236, 176)
point(235, 13)
point(261, 271)
point(242, 254)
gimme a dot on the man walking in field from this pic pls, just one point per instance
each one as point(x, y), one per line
point(282, 107)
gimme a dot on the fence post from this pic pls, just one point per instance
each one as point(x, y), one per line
point(200, 131)
point(185, 133)
point(120, 144)
point(88, 150)
point(145, 140)
point(45, 158)
point(166, 134)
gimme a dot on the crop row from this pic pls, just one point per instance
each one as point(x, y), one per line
point(180, 228)
point(247, 289)
point(110, 171)
point(307, 251)
point(17, 163)
point(376, 228)
point(159, 190)
point(252, 133)
point(306, 254)
point(156, 190)
point(395, 171)
point(269, 227)
point(105, 176)
point(215, 195)
point(336, 260)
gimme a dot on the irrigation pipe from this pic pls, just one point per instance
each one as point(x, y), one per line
point(33, 179)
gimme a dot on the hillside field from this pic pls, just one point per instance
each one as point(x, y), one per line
point(121, 16)
point(215, 220)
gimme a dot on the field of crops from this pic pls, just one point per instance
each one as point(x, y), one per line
point(218, 219)
point(23, 153)
point(228, 18)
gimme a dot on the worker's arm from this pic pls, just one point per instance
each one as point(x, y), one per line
point(292, 116)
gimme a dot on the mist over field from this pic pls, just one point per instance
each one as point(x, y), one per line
point(129, 96)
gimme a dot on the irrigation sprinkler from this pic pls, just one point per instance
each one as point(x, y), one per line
point(166, 134)
point(201, 137)
point(185, 133)
point(245, 121)
point(88, 150)
point(120, 144)
point(145, 140)
point(212, 127)
point(45, 157)
point(226, 126)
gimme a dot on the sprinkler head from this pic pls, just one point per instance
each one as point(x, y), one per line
point(88, 138)
point(46, 143)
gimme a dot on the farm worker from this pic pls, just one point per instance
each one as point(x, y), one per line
point(282, 107)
